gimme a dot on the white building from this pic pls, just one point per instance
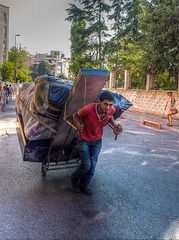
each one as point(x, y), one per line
point(4, 33)
point(59, 64)
point(65, 66)
point(57, 61)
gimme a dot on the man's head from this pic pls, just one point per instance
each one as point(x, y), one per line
point(106, 96)
point(106, 101)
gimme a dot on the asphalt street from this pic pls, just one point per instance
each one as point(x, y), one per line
point(135, 188)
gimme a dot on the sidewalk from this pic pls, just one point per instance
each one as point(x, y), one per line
point(8, 120)
point(10, 154)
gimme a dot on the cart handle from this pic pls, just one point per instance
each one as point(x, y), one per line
point(70, 124)
point(65, 116)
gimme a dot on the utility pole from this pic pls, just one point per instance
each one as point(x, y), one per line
point(17, 35)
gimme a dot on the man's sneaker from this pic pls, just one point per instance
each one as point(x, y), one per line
point(75, 186)
point(86, 191)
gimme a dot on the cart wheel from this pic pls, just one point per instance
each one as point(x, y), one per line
point(44, 170)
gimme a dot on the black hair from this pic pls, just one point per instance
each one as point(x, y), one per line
point(106, 96)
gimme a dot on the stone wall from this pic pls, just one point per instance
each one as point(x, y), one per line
point(151, 102)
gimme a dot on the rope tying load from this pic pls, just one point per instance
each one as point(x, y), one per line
point(36, 118)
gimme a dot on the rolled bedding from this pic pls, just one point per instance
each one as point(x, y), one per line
point(33, 128)
point(50, 95)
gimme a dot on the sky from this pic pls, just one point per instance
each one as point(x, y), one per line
point(41, 25)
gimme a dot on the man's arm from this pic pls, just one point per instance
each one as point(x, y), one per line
point(118, 127)
point(76, 119)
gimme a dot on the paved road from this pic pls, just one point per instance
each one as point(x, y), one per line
point(135, 188)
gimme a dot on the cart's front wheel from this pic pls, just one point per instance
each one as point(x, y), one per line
point(44, 170)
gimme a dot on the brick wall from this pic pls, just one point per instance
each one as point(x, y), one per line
point(151, 102)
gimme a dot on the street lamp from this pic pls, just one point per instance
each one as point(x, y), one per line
point(17, 35)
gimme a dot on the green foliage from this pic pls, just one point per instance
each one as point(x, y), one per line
point(33, 75)
point(145, 33)
point(7, 71)
point(159, 22)
point(23, 74)
point(88, 31)
point(44, 68)
point(22, 69)
point(165, 82)
point(21, 56)
point(79, 42)
point(97, 29)
point(62, 76)
point(138, 79)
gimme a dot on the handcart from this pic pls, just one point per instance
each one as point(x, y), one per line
point(60, 151)
point(52, 158)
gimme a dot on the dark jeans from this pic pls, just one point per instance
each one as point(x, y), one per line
point(89, 152)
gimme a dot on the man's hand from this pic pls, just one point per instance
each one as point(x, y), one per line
point(79, 127)
point(119, 127)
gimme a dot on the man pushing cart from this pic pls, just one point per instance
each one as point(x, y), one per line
point(48, 111)
point(94, 117)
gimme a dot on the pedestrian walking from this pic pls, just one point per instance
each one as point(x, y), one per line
point(170, 105)
point(4, 96)
point(7, 89)
point(0, 92)
point(94, 117)
point(10, 92)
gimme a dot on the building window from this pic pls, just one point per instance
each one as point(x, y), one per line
point(4, 58)
point(4, 47)
point(5, 32)
point(5, 18)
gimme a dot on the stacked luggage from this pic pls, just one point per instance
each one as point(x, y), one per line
point(46, 107)
point(40, 104)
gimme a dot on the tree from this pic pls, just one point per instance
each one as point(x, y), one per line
point(23, 73)
point(44, 68)
point(78, 39)
point(97, 30)
point(159, 21)
point(117, 17)
point(145, 33)
point(148, 36)
point(132, 9)
point(7, 71)
point(88, 33)
point(125, 48)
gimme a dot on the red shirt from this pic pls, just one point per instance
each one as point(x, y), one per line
point(93, 126)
